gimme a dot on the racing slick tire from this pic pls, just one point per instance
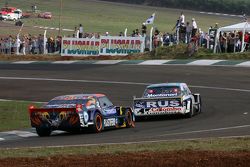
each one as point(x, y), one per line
point(191, 113)
point(98, 123)
point(43, 132)
point(129, 119)
point(199, 106)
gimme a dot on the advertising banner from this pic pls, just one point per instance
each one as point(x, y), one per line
point(80, 47)
point(106, 45)
point(121, 45)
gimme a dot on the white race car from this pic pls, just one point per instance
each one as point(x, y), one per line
point(166, 99)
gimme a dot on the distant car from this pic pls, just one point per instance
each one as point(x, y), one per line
point(75, 112)
point(10, 13)
point(167, 99)
point(45, 15)
point(16, 15)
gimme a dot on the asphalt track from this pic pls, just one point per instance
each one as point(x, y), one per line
point(225, 94)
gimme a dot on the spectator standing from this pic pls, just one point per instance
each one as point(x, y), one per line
point(194, 27)
point(80, 31)
point(182, 18)
point(188, 32)
point(40, 44)
point(144, 29)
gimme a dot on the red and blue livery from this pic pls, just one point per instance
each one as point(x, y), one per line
point(75, 112)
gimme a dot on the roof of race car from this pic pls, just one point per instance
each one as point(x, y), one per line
point(77, 96)
point(166, 85)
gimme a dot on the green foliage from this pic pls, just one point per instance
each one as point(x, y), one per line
point(180, 52)
point(227, 6)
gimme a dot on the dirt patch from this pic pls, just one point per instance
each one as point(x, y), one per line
point(155, 159)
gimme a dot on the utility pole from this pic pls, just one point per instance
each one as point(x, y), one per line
point(60, 17)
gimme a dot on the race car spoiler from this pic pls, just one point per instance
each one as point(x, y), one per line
point(34, 109)
point(157, 98)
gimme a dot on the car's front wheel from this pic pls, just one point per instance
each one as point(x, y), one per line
point(129, 119)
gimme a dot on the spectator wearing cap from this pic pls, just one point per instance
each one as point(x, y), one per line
point(194, 27)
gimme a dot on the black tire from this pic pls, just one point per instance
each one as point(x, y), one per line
point(98, 123)
point(129, 119)
point(43, 132)
point(200, 105)
point(191, 113)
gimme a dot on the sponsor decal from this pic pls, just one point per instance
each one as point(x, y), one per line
point(139, 104)
point(166, 109)
point(162, 95)
point(164, 103)
point(110, 122)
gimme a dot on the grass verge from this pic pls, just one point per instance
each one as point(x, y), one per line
point(236, 144)
point(14, 115)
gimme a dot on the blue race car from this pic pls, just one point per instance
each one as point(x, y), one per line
point(75, 112)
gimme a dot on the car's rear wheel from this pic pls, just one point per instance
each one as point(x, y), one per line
point(98, 123)
point(129, 119)
point(191, 112)
point(43, 132)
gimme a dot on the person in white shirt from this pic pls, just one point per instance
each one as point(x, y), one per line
point(80, 31)
point(182, 18)
point(194, 27)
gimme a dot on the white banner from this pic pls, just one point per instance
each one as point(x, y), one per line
point(80, 47)
point(121, 45)
point(106, 45)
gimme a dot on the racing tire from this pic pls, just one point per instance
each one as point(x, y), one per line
point(98, 123)
point(191, 113)
point(43, 132)
point(129, 119)
point(199, 106)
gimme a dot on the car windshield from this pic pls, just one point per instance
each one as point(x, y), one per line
point(76, 101)
point(164, 91)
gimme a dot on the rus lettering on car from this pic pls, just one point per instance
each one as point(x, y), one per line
point(157, 104)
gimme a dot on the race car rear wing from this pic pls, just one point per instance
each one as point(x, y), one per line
point(157, 98)
point(33, 109)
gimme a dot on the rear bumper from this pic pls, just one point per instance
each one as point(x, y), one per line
point(157, 111)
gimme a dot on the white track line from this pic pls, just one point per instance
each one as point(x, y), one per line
point(23, 62)
point(207, 130)
point(154, 62)
point(109, 61)
point(114, 82)
point(21, 133)
point(204, 62)
point(2, 139)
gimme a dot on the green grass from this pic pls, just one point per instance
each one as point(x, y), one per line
point(104, 16)
point(14, 115)
point(240, 144)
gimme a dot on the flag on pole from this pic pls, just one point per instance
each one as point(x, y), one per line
point(150, 20)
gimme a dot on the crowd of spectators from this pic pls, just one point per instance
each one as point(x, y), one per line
point(232, 42)
point(28, 44)
point(183, 32)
